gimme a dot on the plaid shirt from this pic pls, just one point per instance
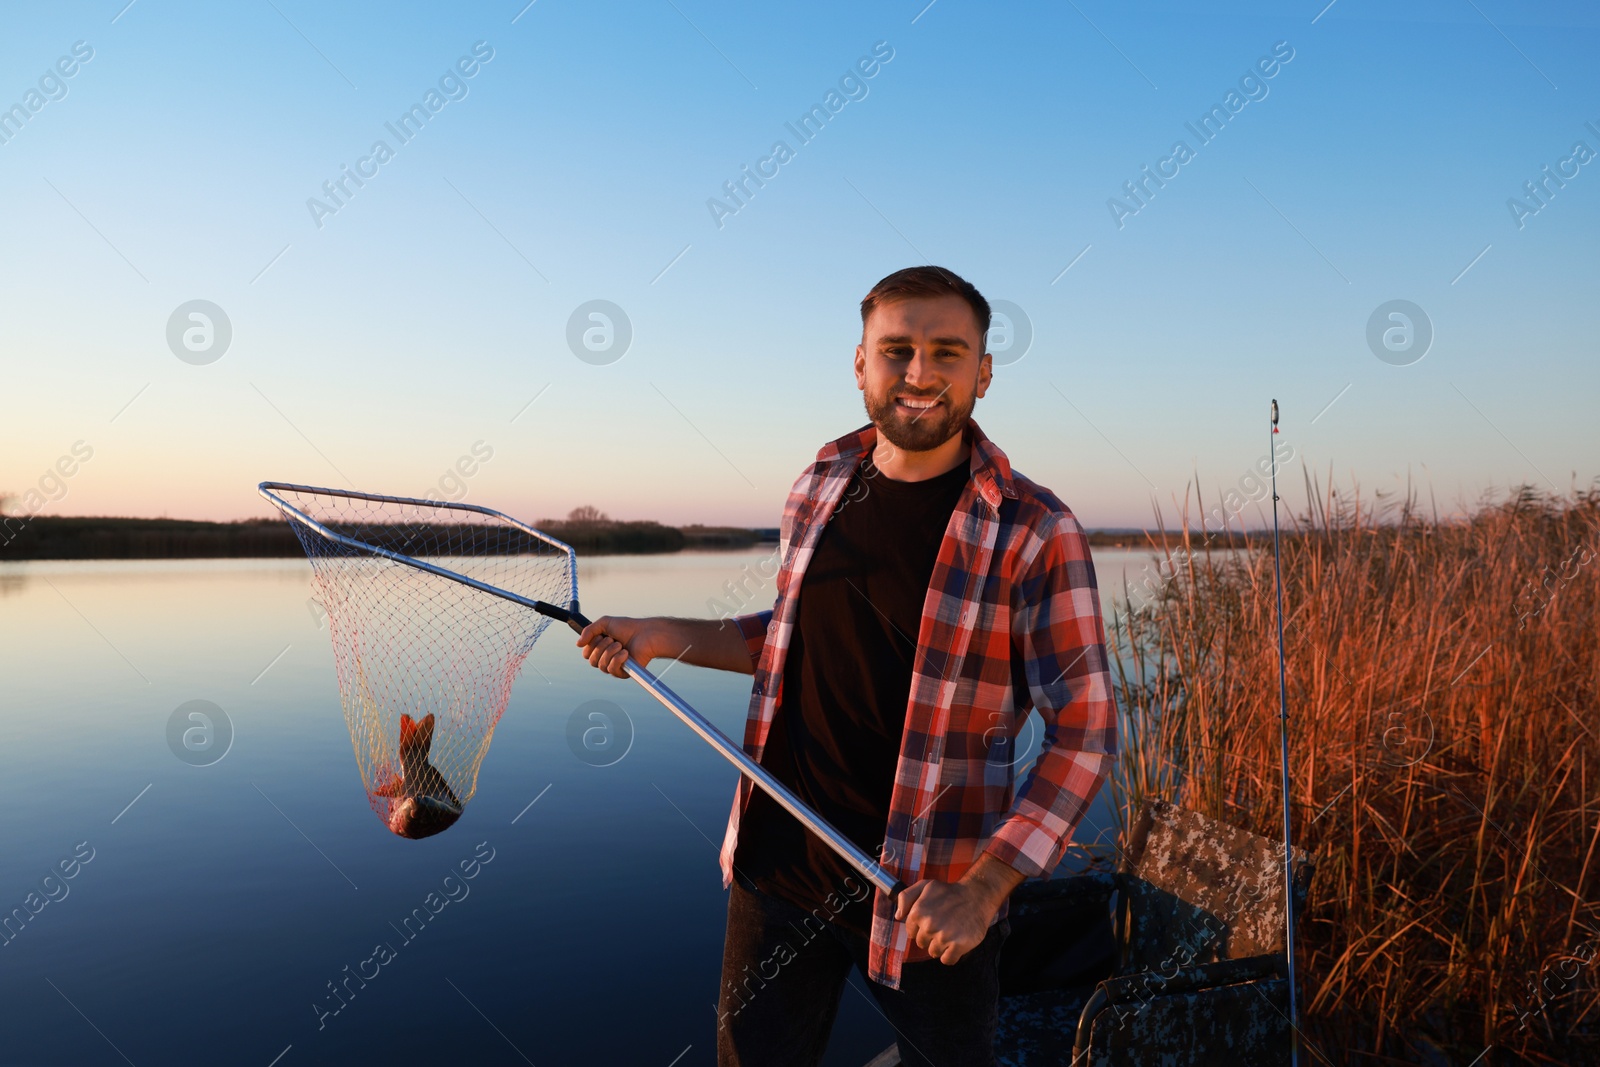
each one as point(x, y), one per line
point(1012, 599)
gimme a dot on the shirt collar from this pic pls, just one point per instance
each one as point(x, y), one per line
point(990, 469)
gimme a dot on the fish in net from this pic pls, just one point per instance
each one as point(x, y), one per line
point(425, 662)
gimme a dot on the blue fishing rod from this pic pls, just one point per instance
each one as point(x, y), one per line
point(1283, 735)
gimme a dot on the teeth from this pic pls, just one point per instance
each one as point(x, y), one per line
point(909, 402)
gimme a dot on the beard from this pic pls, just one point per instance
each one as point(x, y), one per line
point(918, 432)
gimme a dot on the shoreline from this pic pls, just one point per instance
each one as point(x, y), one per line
point(112, 538)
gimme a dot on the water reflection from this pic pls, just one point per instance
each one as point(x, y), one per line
point(226, 899)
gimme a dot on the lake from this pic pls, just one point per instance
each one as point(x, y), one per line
point(210, 909)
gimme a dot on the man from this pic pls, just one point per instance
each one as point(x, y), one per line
point(928, 598)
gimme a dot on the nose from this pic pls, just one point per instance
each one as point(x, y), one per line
point(919, 371)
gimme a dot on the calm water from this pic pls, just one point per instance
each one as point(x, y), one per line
point(220, 901)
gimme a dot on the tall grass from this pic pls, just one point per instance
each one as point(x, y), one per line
point(1444, 703)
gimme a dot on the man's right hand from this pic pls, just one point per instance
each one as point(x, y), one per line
point(608, 641)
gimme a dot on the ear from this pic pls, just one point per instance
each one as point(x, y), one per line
point(985, 374)
point(861, 368)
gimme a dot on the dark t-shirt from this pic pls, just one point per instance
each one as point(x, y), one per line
point(835, 738)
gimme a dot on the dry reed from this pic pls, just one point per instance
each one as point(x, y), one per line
point(1443, 685)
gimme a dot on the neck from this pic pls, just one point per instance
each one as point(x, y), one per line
point(903, 466)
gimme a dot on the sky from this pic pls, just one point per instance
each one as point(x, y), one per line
point(436, 318)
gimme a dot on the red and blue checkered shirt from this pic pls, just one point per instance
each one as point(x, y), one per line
point(1012, 598)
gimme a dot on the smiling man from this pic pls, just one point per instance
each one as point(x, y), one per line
point(929, 598)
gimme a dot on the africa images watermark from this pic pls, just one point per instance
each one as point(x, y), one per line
point(1539, 596)
point(455, 890)
point(52, 86)
point(599, 733)
point(852, 890)
point(1542, 191)
point(50, 488)
point(52, 889)
point(1206, 927)
point(1555, 981)
point(452, 86)
point(852, 86)
point(1254, 486)
point(744, 591)
point(451, 487)
point(1253, 86)
point(199, 332)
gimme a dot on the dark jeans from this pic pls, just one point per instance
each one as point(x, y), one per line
point(783, 973)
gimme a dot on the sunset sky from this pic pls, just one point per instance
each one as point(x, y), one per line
point(378, 338)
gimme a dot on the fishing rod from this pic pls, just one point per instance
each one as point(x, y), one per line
point(1283, 736)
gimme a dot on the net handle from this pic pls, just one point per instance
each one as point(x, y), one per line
point(735, 754)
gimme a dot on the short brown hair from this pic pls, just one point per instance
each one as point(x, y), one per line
point(914, 282)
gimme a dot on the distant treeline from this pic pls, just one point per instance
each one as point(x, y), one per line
point(100, 538)
point(629, 538)
point(113, 538)
point(1139, 539)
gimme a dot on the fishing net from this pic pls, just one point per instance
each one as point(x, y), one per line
point(425, 662)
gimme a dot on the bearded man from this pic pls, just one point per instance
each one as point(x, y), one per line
point(929, 599)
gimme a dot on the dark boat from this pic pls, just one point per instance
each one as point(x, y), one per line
point(1177, 957)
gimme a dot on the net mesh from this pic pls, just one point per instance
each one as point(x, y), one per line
point(425, 663)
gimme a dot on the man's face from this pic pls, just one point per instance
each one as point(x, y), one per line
point(921, 367)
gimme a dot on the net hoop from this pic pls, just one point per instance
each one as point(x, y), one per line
point(270, 491)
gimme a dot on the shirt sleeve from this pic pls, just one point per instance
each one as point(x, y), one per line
point(753, 628)
point(1057, 623)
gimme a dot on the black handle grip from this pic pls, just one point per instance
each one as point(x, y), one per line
point(571, 616)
